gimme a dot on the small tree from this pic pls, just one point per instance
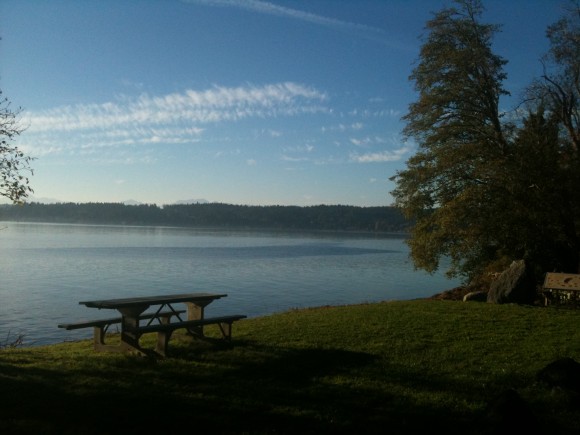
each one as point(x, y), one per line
point(12, 341)
point(13, 162)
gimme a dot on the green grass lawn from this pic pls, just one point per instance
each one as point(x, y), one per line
point(398, 367)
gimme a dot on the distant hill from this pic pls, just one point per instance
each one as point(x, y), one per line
point(131, 202)
point(191, 201)
point(44, 200)
point(213, 215)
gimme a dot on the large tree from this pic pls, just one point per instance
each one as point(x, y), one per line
point(558, 90)
point(14, 185)
point(559, 87)
point(481, 189)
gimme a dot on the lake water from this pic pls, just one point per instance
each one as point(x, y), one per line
point(47, 269)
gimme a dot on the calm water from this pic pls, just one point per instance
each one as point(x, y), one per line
point(47, 269)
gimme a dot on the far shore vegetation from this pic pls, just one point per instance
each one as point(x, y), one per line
point(214, 215)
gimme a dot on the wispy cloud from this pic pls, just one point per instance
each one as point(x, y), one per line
point(368, 141)
point(287, 158)
point(175, 118)
point(343, 127)
point(271, 133)
point(307, 148)
point(376, 113)
point(269, 8)
point(381, 157)
point(212, 105)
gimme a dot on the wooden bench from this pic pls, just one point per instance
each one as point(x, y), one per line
point(562, 288)
point(100, 326)
point(194, 327)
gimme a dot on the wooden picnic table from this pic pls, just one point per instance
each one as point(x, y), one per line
point(562, 288)
point(132, 310)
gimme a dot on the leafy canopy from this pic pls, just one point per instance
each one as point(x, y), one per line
point(13, 162)
point(485, 188)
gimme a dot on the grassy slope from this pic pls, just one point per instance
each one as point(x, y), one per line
point(400, 367)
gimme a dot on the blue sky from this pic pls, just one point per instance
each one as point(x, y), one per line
point(244, 102)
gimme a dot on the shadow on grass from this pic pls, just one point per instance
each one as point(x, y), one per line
point(250, 388)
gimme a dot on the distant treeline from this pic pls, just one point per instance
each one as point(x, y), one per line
point(320, 217)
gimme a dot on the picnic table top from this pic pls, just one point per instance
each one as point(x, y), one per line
point(562, 281)
point(152, 300)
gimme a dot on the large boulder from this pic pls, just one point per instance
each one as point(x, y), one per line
point(514, 285)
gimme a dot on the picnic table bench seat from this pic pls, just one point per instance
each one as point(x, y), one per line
point(194, 327)
point(100, 326)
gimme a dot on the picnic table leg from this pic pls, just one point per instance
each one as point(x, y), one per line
point(130, 321)
point(99, 339)
point(162, 342)
point(226, 329)
point(196, 311)
point(98, 336)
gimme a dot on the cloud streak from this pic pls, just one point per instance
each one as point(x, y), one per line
point(381, 157)
point(201, 107)
point(168, 119)
point(268, 8)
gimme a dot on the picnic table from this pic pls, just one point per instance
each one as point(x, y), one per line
point(562, 288)
point(132, 314)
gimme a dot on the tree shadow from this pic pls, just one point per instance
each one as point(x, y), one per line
point(291, 390)
point(248, 388)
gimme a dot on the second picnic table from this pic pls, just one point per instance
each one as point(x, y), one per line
point(132, 310)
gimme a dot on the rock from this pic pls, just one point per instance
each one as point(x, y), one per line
point(563, 373)
point(514, 285)
point(479, 296)
point(508, 413)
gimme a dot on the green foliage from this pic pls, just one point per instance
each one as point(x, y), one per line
point(13, 162)
point(323, 217)
point(412, 367)
point(482, 190)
